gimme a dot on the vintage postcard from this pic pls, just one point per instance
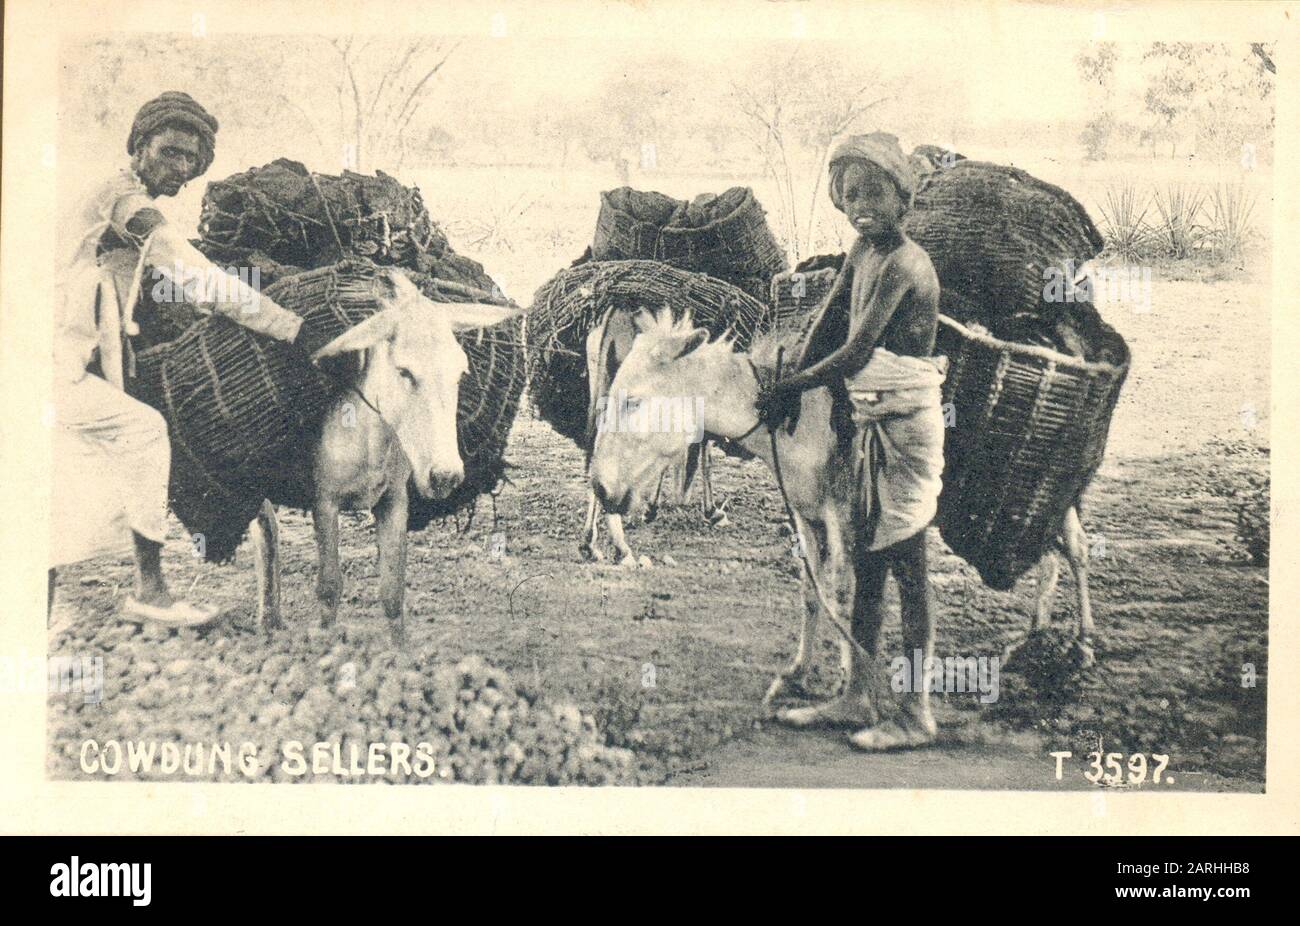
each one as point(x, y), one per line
point(647, 416)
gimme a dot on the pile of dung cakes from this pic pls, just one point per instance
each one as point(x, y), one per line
point(315, 706)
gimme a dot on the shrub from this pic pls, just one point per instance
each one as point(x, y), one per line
point(1124, 212)
point(1231, 207)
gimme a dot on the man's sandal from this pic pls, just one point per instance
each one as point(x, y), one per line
point(177, 614)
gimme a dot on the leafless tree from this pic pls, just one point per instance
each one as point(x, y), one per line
point(382, 85)
point(795, 110)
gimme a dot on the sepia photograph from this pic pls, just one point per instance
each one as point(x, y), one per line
point(751, 395)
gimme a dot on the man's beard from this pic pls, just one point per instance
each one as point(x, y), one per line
point(156, 186)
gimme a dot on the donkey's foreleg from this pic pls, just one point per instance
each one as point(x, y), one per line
point(791, 680)
point(714, 512)
point(590, 530)
point(390, 528)
point(329, 576)
point(266, 563)
point(623, 555)
point(652, 508)
point(854, 705)
point(1075, 542)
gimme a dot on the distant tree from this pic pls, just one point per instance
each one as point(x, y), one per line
point(1218, 94)
point(1171, 90)
point(1097, 68)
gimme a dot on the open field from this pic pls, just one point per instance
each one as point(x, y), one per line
point(672, 661)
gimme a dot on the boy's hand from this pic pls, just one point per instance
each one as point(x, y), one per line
point(778, 403)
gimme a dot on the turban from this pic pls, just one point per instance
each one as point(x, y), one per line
point(881, 149)
point(174, 109)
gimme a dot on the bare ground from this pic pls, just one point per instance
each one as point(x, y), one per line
point(673, 661)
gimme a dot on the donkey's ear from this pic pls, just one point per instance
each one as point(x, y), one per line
point(698, 338)
point(643, 321)
point(466, 315)
point(378, 327)
point(671, 349)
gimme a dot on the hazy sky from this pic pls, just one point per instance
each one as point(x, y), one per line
point(1007, 79)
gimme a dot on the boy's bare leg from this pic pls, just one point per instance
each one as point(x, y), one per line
point(150, 587)
point(914, 725)
point(869, 595)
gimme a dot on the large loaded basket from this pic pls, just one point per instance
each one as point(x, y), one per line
point(569, 305)
point(1027, 428)
point(725, 236)
point(244, 412)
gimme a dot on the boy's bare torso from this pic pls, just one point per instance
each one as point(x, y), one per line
point(881, 272)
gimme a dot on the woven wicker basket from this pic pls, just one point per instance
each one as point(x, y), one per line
point(1029, 433)
point(737, 247)
point(244, 413)
point(796, 294)
point(566, 308)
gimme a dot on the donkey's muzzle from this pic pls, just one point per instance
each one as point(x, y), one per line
point(441, 483)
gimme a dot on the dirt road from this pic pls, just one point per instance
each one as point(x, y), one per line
point(673, 661)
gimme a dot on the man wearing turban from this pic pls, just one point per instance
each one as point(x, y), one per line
point(893, 384)
point(111, 452)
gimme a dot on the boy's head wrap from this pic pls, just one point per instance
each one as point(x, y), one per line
point(881, 149)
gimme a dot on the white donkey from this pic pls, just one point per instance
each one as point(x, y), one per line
point(410, 369)
point(818, 479)
point(608, 345)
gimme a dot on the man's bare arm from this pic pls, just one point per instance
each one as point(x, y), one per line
point(237, 300)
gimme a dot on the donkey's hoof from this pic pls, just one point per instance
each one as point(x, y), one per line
point(892, 735)
point(1084, 656)
point(719, 519)
point(786, 685)
point(591, 554)
point(651, 512)
point(1017, 646)
point(629, 560)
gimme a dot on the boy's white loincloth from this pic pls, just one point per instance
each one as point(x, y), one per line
point(897, 407)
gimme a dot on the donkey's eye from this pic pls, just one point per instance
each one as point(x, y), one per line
point(406, 374)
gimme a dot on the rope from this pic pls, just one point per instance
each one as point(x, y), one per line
point(831, 614)
point(325, 203)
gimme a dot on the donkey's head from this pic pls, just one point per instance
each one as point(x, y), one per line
point(656, 405)
point(410, 370)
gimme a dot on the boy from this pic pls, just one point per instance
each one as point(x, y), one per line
point(893, 386)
